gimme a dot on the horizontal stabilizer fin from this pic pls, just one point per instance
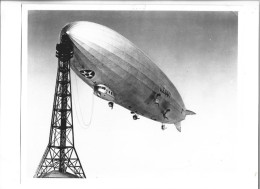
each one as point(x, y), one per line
point(178, 126)
point(188, 112)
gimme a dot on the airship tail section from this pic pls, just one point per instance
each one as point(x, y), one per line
point(178, 124)
point(188, 112)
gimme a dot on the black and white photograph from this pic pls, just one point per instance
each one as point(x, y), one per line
point(130, 95)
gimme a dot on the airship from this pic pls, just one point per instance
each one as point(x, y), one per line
point(121, 73)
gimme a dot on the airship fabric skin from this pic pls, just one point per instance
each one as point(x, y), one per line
point(121, 73)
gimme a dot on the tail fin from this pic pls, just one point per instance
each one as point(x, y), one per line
point(188, 112)
point(178, 126)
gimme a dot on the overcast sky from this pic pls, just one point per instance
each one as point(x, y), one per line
point(196, 50)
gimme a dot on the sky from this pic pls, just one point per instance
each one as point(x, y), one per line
point(196, 50)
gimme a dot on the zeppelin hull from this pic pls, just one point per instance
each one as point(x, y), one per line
point(134, 79)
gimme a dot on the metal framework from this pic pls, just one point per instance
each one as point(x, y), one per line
point(60, 154)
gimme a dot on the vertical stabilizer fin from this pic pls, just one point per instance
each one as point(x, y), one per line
point(188, 112)
point(178, 126)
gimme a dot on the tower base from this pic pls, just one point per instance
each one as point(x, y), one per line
point(57, 174)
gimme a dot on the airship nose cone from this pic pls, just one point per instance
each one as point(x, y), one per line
point(74, 28)
point(84, 32)
point(67, 28)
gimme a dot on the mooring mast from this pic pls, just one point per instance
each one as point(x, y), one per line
point(60, 158)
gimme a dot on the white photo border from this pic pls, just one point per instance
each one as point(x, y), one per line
point(14, 18)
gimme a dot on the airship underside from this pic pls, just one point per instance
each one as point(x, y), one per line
point(121, 73)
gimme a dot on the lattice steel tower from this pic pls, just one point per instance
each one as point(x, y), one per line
point(60, 158)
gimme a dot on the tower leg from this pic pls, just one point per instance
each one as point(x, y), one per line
point(60, 158)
